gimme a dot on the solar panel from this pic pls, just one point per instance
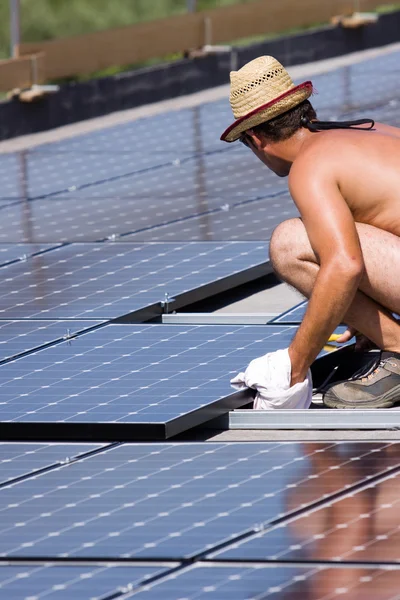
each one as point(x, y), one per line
point(349, 87)
point(18, 460)
point(362, 527)
point(179, 130)
point(137, 174)
point(52, 172)
point(11, 186)
point(95, 219)
point(19, 337)
point(231, 174)
point(141, 201)
point(20, 252)
point(174, 501)
point(253, 220)
point(108, 281)
point(132, 381)
point(81, 582)
point(275, 582)
point(293, 315)
point(108, 154)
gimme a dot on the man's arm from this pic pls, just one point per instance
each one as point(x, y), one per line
point(333, 236)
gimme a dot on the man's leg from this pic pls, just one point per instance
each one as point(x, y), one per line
point(294, 261)
point(379, 290)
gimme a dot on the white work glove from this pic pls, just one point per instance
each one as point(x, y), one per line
point(270, 375)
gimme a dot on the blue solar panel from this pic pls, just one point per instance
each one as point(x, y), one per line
point(293, 315)
point(368, 518)
point(175, 501)
point(95, 219)
point(348, 88)
point(18, 460)
point(274, 582)
point(254, 220)
point(132, 381)
point(180, 131)
point(231, 175)
point(11, 183)
point(128, 204)
point(200, 173)
point(18, 337)
point(107, 281)
point(20, 252)
point(109, 153)
point(80, 582)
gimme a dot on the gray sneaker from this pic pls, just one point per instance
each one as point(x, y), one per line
point(379, 387)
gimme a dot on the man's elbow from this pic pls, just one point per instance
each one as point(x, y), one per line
point(349, 267)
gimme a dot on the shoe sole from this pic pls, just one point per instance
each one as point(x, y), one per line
point(387, 401)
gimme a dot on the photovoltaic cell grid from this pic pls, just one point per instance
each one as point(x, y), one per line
point(108, 281)
point(19, 337)
point(349, 89)
point(63, 582)
point(18, 460)
point(174, 501)
point(363, 528)
point(254, 220)
point(132, 382)
point(202, 186)
point(272, 582)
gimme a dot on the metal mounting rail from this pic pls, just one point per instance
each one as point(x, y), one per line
point(310, 419)
point(217, 318)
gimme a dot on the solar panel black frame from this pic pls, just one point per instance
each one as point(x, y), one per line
point(172, 423)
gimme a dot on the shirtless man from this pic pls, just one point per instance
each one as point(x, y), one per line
point(344, 252)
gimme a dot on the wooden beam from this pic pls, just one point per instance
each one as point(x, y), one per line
point(20, 72)
point(86, 54)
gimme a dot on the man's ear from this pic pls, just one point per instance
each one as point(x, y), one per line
point(257, 139)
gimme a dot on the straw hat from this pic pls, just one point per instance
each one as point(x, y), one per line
point(260, 91)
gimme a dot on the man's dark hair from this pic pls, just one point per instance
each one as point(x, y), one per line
point(284, 126)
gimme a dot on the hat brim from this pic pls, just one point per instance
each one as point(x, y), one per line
point(268, 111)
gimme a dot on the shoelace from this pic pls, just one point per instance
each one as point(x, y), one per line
point(366, 372)
point(363, 371)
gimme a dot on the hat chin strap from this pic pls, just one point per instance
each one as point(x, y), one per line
point(326, 125)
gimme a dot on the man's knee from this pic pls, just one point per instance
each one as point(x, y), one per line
point(285, 245)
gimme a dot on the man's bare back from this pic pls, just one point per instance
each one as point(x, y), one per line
point(365, 165)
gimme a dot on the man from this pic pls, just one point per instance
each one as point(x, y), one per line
point(344, 252)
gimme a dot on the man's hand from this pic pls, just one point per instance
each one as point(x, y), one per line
point(362, 342)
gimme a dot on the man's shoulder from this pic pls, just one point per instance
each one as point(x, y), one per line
point(316, 159)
